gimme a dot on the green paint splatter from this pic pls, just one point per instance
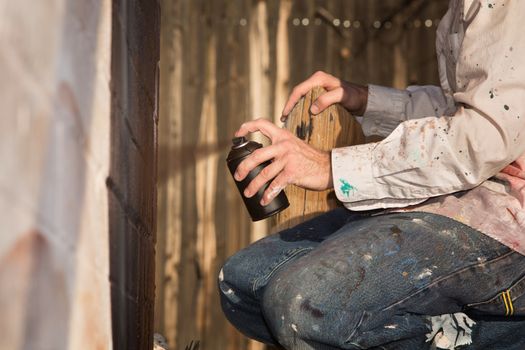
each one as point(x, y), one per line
point(346, 188)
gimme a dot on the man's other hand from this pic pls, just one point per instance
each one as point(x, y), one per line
point(352, 96)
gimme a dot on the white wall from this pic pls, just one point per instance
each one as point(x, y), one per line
point(54, 158)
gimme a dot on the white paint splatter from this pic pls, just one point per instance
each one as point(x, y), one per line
point(417, 220)
point(294, 327)
point(425, 273)
point(367, 257)
point(450, 331)
point(482, 259)
point(299, 297)
point(391, 326)
point(274, 192)
point(315, 327)
point(221, 275)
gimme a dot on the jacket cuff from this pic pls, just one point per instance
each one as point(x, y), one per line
point(355, 184)
point(352, 173)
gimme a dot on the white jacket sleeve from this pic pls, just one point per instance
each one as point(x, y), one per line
point(433, 156)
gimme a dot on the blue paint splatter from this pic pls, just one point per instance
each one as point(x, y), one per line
point(346, 188)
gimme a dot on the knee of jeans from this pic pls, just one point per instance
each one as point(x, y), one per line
point(234, 279)
point(284, 301)
point(297, 305)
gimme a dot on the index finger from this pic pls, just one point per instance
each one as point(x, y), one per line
point(327, 81)
point(265, 126)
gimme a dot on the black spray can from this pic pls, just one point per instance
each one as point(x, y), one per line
point(241, 149)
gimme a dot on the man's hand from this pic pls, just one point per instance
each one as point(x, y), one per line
point(352, 96)
point(294, 162)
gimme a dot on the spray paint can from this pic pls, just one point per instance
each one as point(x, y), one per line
point(241, 149)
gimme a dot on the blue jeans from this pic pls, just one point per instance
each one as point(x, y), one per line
point(353, 281)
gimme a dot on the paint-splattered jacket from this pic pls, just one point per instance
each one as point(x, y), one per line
point(462, 144)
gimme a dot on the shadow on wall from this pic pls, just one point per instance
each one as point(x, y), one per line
point(188, 155)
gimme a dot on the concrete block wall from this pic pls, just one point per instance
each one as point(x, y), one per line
point(133, 173)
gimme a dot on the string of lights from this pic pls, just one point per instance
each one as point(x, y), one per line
point(357, 24)
point(377, 24)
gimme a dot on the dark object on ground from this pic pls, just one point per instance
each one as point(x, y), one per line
point(194, 345)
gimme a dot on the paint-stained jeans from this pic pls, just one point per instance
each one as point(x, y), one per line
point(352, 281)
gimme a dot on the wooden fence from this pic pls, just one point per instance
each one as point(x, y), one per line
point(222, 63)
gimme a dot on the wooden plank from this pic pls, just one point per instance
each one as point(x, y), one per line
point(334, 127)
point(232, 229)
point(282, 79)
point(206, 187)
point(195, 25)
point(170, 177)
point(260, 94)
point(260, 84)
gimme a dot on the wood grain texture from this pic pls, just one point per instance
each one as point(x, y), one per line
point(169, 201)
point(260, 83)
point(332, 128)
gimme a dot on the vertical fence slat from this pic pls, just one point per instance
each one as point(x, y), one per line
point(282, 78)
point(170, 177)
point(260, 84)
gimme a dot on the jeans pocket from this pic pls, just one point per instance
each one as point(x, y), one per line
point(508, 302)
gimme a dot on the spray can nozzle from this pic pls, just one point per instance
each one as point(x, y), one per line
point(239, 142)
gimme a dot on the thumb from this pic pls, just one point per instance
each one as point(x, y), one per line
point(326, 100)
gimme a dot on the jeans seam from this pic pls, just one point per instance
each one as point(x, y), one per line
point(517, 288)
point(347, 341)
point(450, 275)
point(275, 268)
